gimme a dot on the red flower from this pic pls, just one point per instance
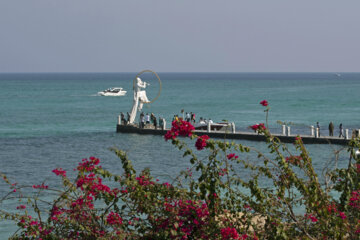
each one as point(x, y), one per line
point(232, 155)
point(342, 215)
point(258, 127)
point(21, 207)
point(311, 217)
point(229, 233)
point(179, 127)
point(42, 186)
point(201, 142)
point(114, 219)
point(59, 171)
point(170, 135)
point(264, 103)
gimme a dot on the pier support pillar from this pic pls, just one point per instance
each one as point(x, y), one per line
point(209, 127)
point(283, 130)
point(312, 131)
point(119, 120)
point(317, 133)
point(346, 134)
point(233, 127)
point(288, 131)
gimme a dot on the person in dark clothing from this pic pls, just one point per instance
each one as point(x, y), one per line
point(155, 122)
point(341, 134)
point(142, 120)
point(122, 118)
point(318, 126)
point(331, 129)
point(128, 117)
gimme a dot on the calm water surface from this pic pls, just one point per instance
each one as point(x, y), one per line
point(55, 120)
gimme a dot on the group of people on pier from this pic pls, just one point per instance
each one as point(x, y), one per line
point(145, 119)
point(331, 129)
point(189, 117)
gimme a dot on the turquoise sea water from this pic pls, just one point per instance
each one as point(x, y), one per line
point(55, 120)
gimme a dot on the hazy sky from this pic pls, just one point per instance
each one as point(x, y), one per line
point(179, 36)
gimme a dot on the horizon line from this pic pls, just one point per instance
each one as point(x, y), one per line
point(254, 72)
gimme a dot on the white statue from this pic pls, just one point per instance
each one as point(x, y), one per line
point(139, 96)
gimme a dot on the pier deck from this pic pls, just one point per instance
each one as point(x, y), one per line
point(307, 139)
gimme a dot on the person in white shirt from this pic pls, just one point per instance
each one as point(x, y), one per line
point(188, 117)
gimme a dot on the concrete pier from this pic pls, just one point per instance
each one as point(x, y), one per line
point(252, 136)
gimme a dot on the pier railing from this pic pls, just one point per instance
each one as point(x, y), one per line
point(287, 134)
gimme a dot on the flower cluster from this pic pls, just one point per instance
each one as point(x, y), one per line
point(42, 186)
point(311, 217)
point(264, 103)
point(223, 171)
point(93, 185)
point(144, 180)
point(114, 219)
point(179, 128)
point(88, 165)
point(229, 233)
point(232, 156)
point(258, 127)
point(201, 142)
point(59, 171)
point(21, 207)
point(190, 216)
point(355, 199)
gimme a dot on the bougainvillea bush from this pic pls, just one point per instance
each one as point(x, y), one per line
point(210, 200)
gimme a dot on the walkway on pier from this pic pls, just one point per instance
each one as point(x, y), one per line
point(307, 139)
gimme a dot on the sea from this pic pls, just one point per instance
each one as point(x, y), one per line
point(50, 120)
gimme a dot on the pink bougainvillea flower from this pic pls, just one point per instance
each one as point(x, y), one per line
point(42, 186)
point(257, 127)
point(114, 219)
point(264, 103)
point(201, 142)
point(342, 215)
point(354, 201)
point(311, 217)
point(170, 135)
point(59, 171)
point(21, 207)
point(232, 156)
point(179, 128)
point(229, 233)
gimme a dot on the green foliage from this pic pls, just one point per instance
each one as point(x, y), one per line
point(210, 200)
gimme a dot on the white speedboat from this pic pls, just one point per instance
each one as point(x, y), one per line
point(114, 92)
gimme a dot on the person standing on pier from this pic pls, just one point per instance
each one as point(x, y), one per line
point(123, 122)
point(318, 127)
point(155, 121)
point(341, 134)
point(331, 129)
point(188, 117)
point(142, 120)
point(193, 117)
point(147, 118)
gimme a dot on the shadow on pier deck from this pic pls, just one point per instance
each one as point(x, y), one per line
point(307, 139)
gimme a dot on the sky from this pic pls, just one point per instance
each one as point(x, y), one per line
point(179, 35)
